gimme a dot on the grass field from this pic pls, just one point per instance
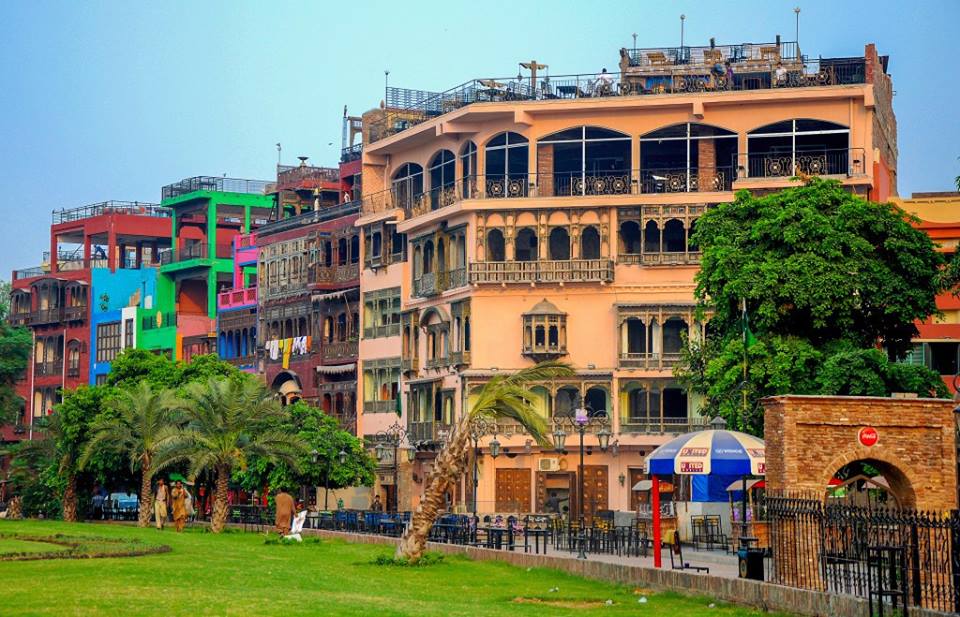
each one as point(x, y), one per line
point(239, 574)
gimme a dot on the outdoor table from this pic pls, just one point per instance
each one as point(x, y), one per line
point(495, 537)
point(536, 534)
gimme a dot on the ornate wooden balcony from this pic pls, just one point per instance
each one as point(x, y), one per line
point(379, 406)
point(662, 425)
point(339, 351)
point(408, 365)
point(661, 259)
point(46, 316)
point(561, 271)
point(428, 432)
point(648, 360)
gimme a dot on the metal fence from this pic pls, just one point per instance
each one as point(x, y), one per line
point(213, 183)
point(891, 556)
point(136, 208)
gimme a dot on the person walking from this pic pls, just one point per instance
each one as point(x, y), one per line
point(160, 499)
point(179, 496)
point(286, 509)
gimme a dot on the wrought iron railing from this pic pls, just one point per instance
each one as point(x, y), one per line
point(557, 271)
point(648, 360)
point(661, 259)
point(351, 153)
point(646, 72)
point(44, 369)
point(686, 180)
point(807, 161)
point(136, 208)
point(214, 184)
point(25, 273)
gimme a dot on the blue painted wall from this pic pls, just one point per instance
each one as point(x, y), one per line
point(110, 292)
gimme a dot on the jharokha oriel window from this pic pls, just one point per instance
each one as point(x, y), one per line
point(544, 332)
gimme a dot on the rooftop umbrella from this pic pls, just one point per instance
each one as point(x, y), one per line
point(716, 451)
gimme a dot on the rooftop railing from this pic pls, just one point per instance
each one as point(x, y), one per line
point(25, 273)
point(212, 183)
point(351, 153)
point(304, 176)
point(310, 218)
point(136, 208)
point(644, 72)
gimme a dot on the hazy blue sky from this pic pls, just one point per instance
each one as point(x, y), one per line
point(112, 100)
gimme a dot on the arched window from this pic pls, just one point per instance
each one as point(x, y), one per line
point(495, 246)
point(506, 165)
point(687, 157)
point(674, 237)
point(441, 255)
point(636, 336)
point(327, 253)
point(691, 245)
point(376, 244)
point(354, 249)
point(417, 261)
point(559, 244)
point(586, 160)
point(466, 333)
point(673, 330)
point(595, 401)
point(342, 327)
point(630, 238)
point(567, 399)
point(651, 237)
point(590, 243)
point(407, 185)
point(525, 246)
point(342, 252)
point(812, 147)
point(468, 163)
point(442, 170)
point(328, 333)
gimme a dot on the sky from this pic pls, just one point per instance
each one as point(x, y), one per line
point(111, 100)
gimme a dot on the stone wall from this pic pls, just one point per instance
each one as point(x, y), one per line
point(809, 438)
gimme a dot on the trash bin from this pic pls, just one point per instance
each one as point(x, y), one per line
point(750, 563)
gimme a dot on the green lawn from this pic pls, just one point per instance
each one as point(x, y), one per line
point(14, 545)
point(238, 574)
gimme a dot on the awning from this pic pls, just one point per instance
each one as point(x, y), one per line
point(336, 369)
point(333, 295)
point(646, 485)
point(751, 484)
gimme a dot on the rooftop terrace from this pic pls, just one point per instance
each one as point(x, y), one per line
point(213, 183)
point(643, 71)
point(293, 177)
point(136, 208)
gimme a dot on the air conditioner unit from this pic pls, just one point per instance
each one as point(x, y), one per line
point(548, 464)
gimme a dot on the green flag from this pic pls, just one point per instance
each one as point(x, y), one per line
point(748, 338)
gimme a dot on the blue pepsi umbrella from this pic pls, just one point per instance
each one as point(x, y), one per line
point(712, 452)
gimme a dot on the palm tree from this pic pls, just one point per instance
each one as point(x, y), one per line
point(143, 419)
point(228, 421)
point(503, 397)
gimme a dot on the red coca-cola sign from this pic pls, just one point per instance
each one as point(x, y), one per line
point(868, 436)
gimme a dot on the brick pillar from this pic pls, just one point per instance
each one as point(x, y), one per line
point(545, 170)
point(707, 163)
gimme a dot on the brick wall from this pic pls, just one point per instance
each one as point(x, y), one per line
point(809, 438)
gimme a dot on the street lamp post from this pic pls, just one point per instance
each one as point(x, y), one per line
point(582, 421)
point(392, 437)
point(342, 457)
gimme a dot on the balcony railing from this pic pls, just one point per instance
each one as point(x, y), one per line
point(310, 218)
point(45, 316)
point(165, 320)
point(686, 180)
point(46, 369)
point(25, 273)
point(75, 313)
point(428, 432)
point(199, 250)
point(517, 186)
point(212, 183)
point(351, 153)
point(321, 275)
point(390, 329)
point(73, 371)
point(410, 365)
point(660, 259)
point(460, 358)
point(379, 406)
point(559, 271)
point(135, 208)
point(648, 360)
point(821, 162)
point(662, 425)
point(340, 350)
point(245, 241)
point(21, 318)
point(645, 72)
point(237, 298)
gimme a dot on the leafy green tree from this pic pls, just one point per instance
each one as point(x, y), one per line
point(135, 424)
point(5, 289)
point(228, 422)
point(135, 365)
point(15, 346)
point(321, 434)
point(827, 277)
point(503, 397)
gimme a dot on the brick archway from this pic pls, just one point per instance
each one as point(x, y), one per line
point(901, 480)
point(809, 438)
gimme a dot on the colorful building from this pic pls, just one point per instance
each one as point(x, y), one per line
point(102, 261)
point(551, 217)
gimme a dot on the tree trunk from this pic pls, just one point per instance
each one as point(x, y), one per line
point(220, 505)
point(70, 500)
point(15, 508)
point(146, 500)
point(448, 467)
